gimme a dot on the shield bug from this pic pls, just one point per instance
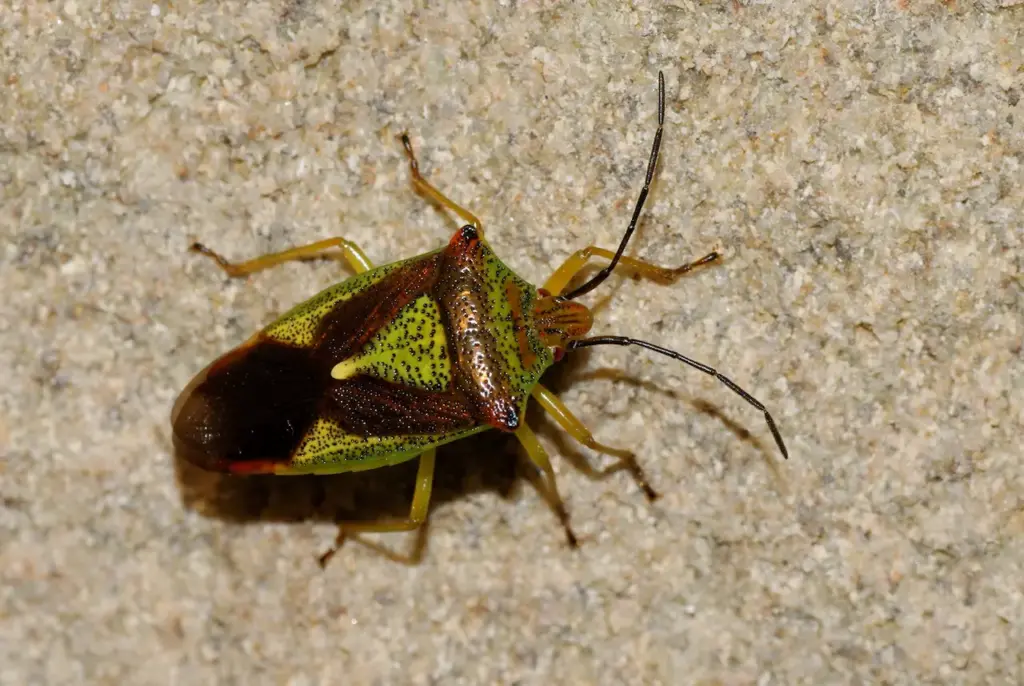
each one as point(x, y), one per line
point(400, 359)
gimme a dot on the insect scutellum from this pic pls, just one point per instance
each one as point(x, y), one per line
point(402, 358)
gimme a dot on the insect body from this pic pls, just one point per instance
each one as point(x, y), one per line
point(400, 359)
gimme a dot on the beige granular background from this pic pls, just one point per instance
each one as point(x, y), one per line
point(858, 163)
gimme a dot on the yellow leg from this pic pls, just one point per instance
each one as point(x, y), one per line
point(539, 457)
point(423, 186)
point(417, 515)
point(564, 274)
point(349, 250)
point(568, 421)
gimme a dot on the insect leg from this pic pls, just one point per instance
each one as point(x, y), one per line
point(557, 282)
point(420, 183)
point(539, 457)
point(568, 421)
point(349, 250)
point(417, 515)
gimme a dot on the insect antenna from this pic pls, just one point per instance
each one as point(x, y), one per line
point(652, 163)
point(710, 371)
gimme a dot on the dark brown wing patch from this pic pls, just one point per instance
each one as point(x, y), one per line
point(253, 404)
point(346, 329)
point(368, 406)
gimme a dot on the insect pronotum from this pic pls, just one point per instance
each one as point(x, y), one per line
point(400, 359)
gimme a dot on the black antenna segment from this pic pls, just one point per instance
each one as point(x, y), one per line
point(652, 163)
point(710, 371)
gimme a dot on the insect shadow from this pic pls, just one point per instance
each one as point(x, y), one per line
point(486, 462)
point(573, 370)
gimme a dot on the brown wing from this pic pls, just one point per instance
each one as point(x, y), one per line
point(368, 406)
point(346, 329)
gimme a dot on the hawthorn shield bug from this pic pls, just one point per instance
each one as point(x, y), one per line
point(400, 359)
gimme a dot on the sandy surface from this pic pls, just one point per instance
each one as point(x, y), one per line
point(858, 163)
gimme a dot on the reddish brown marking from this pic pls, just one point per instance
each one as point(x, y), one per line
point(515, 300)
point(353, 322)
point(254, 467)
point(461, 292)
point(368, 406)
point(560, 321)
point(464, 242)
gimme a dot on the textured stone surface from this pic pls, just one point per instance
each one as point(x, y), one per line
point(860, 165)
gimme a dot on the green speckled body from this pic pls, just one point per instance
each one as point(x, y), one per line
point(374, 370)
